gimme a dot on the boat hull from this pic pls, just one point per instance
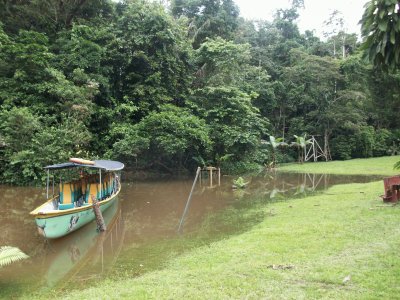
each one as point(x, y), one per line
point(60, 225)
point(67, 257)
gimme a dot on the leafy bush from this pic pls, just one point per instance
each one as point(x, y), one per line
point(29, 149)
point(342, 147)
point(240, 167)
point(239, 183)
point(366, 141)
point(383, 142)
point(169, 137)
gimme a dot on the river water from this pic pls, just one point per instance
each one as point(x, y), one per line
point(142, 228)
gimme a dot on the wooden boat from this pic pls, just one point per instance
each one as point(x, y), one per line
point(72, 206)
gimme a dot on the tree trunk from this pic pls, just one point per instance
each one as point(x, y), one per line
point(101, 225)
point(334, 48)
point(327, 152)
point(344, 47)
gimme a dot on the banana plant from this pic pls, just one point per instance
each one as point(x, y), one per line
point(274, 144)
point(9, 255)
point(239, 183)
point(301, 144)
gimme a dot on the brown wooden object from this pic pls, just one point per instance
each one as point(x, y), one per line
point(392, 189)
point(101, 225)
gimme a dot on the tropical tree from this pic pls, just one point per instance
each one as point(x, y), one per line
point(223, 94)
point(274, 144)
point(51, 16)
point(149, 61)
point(335, 30)
point(169, 138)
point(380, 28)
point(300, 143)
point(207, 18)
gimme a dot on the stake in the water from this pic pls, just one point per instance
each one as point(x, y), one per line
point(188, 200)
point(209, 172)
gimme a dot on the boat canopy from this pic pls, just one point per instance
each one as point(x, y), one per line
point(107, 165)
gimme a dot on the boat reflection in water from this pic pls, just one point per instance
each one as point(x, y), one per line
point(85, 253)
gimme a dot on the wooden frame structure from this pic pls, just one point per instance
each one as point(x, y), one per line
point(313, 151)
point(210, 172)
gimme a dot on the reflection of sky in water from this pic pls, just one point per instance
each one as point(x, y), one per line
point(150, 213)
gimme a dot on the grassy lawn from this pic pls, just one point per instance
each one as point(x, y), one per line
point(365, 166)
point(341, 244)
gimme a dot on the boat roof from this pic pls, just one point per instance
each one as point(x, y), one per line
point(107, 165)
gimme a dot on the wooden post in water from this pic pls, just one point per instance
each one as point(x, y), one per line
point(99, 217)
point(219, 176)
point(211, 176)
point(200, 181)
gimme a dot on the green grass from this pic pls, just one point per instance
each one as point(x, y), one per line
point(300, 249)
point(364, 166)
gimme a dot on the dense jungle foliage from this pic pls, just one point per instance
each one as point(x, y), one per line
point(162, 87)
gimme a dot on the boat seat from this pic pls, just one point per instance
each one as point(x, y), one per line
point(92, 190)
point(66, 196)
point(79, 192)
point(111, 184)
point(106, 186)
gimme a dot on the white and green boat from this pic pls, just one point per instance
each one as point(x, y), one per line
point(71, 207)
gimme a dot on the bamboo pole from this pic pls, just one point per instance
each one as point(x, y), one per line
point(188, 200)
point(201, 179)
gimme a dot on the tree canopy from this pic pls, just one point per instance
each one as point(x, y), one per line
point(168, 87)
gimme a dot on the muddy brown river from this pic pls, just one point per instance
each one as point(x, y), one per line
point(142, 227)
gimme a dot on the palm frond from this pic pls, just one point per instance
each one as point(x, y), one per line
point(397, 166)
point(9, 255)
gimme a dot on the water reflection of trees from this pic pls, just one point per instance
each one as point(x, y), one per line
point(275, 185)
point(18, 228)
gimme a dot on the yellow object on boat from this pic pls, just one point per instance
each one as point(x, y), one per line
point(81, 161)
